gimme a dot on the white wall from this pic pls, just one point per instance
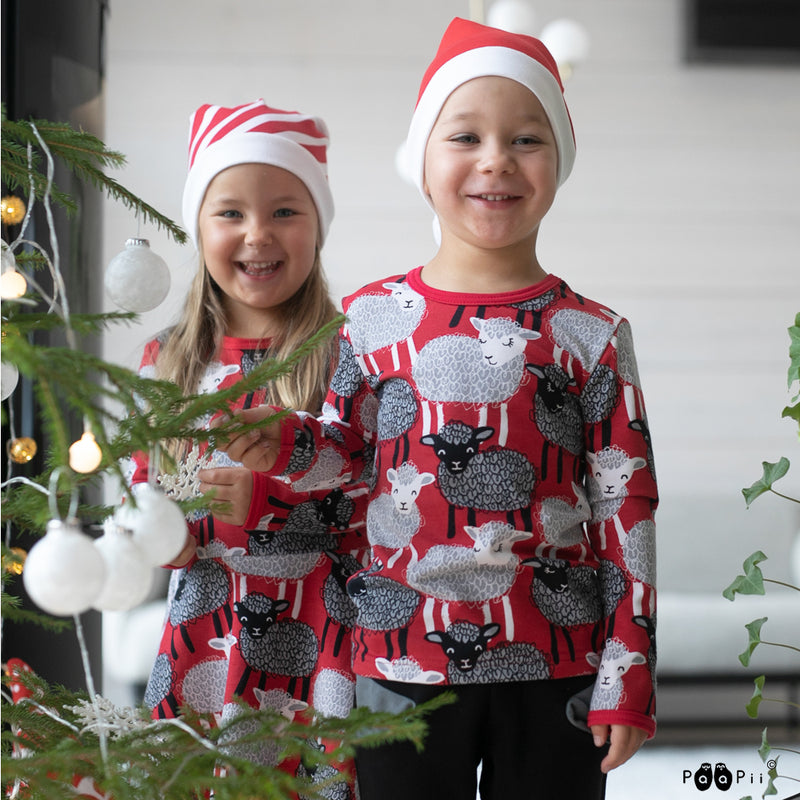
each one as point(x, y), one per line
point(681, 213)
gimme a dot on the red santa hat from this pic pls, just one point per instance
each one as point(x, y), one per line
point(469, 50)
point(256, 134)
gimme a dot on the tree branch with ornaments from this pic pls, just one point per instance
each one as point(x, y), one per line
point(91, 556)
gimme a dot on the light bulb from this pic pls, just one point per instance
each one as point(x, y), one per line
point(12, 210)
point(64, 572)
point(85, 455)
point(12, 284)
point(137, 279)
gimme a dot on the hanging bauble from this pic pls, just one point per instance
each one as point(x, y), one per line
point(515, 16)
point(157, 523)
point(14, 563)
point(85, 455)
point(129, 575)
point(64, 572)
point(22, 449)
point(12, 209)
point(137, 279)
point(9, 377)
point(8, 259)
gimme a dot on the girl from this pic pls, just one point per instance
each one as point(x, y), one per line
point(527, 585)
point(258, 207)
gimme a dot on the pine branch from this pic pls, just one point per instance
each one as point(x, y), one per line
point(83, 154)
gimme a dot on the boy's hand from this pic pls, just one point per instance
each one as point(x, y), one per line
point(625, 740)
point(233, 490)
point(258, 449)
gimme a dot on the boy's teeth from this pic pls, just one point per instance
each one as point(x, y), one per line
point(492, 197)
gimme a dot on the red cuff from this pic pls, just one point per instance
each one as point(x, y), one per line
point(630, 718)
point(258, 500)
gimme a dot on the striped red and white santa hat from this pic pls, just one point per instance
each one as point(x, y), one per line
point(470, 50)
point(256, 134)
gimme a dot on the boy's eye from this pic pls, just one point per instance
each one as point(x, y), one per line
point(527, 140)
point(285, 212)
point(230, 214)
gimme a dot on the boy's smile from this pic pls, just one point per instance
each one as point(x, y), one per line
point(491, 169)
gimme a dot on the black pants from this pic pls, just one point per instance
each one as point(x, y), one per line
point(518, 732)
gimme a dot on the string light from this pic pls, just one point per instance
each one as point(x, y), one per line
point(85, 455)
point(14, 562)
point(22, 449)
point(12, 210)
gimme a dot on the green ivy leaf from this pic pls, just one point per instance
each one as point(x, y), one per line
point(773, 776)
point(772, 473)
point(794, 352)
point(765, 748)
point(793, 412)
point(755, 701)
point(752, 582)
point(754, 631)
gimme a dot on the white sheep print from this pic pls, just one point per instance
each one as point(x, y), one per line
point(512, 489)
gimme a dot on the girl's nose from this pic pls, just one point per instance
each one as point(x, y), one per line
point(258, 233)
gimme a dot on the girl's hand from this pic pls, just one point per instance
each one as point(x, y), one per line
point(258, 449)
point(625, 740)
point(233, 490)
point(185, 556)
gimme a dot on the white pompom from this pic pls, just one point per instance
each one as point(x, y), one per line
point(129, 575)
point(516, 16)
point(137, 279)
point(64, 572)
point(157, 524)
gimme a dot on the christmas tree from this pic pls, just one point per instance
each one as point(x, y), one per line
point(54, 736)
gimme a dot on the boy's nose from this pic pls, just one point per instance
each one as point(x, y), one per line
point(495, 158)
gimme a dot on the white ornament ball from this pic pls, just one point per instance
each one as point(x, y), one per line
point(515, 16)
point(129, 575)
point(567, 41)
point(9, 378)
point(157, 524)
point(64, 572)
point(137, 279)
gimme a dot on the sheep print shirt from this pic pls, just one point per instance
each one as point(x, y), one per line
point(512, 489)
point(261, 614)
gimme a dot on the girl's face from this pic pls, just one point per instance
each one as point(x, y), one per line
point(258, 231)
point(491, 165)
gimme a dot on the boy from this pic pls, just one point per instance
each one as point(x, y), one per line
point(511, 514)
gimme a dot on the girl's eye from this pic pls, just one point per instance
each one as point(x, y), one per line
point(464, 138)
point(230, 214)
point(527, 140)
point(284, 212)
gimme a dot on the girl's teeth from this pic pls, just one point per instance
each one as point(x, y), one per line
point(259, 267)
point(493, 197)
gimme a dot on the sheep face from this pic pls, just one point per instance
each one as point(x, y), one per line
point(464, 652)
point(457, 444)
point(257, 622)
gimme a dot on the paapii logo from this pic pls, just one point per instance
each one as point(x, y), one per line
point(720, 776)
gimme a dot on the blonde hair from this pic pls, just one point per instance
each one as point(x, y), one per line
point(188, 347)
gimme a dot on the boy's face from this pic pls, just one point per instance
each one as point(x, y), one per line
point(491, 164)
